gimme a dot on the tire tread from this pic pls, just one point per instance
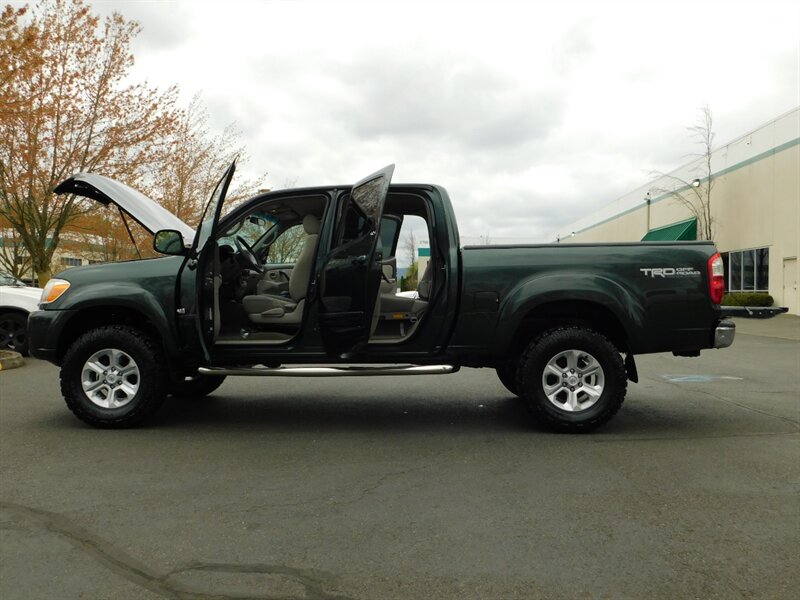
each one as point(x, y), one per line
point(157, 377)
point(616, 376)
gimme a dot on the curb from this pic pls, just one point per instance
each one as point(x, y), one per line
point(10, 360)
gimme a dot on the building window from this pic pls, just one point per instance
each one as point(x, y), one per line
point(762, 269)
point(68, 261)
point(747, 270)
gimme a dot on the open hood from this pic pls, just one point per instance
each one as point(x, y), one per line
point(149, 213)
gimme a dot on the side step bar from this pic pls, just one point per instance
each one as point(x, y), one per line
point(331, 371)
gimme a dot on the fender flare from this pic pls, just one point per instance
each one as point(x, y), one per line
point(537, 291)
point(129, 297)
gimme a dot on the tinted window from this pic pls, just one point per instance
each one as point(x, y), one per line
point(368, 197)
point(762, 269)
point(353, 227)
point(748, 271)
point(388, 234)
point(736, 271)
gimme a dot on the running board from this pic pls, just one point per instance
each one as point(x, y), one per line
point(331, 371)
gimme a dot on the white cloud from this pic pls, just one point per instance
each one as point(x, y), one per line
point(531, 114)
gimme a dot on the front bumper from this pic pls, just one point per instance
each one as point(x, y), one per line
point(45, 328)
point(724, 334)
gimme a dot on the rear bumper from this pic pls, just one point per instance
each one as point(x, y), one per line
point(752, 312)
point(724, 334)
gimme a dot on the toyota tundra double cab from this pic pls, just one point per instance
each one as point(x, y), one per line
point(561, 324)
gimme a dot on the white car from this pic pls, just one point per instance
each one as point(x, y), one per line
point(17, 301)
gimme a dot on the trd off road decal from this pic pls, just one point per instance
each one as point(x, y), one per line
point(670, 272)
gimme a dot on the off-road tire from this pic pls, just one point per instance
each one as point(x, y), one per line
point(152, 376)
point(507, 374)
point(545, 348)
point(196, 387)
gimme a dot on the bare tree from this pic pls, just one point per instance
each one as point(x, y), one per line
point(410, 246)
point(411, 279)
point(695, 195)
point(13, 257)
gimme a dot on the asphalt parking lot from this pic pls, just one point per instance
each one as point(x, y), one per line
point(416, 487)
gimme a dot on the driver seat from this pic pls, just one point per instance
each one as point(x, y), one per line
point(270, 308)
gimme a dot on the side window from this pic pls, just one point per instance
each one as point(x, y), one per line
point(413, 252)
point(413, 241)
point(367, 196)
point(287, 246)
point(363, 211)
point(355, 226)
point(389, 227)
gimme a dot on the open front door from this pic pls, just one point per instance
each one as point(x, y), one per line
point(350, 279)
point(203, 257)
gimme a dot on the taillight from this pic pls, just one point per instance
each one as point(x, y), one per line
point(716, 278)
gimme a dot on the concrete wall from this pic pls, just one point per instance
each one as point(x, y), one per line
point(755, 203)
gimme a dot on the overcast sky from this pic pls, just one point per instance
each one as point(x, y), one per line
point(531, 114)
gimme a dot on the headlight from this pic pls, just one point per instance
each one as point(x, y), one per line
point(54, 289)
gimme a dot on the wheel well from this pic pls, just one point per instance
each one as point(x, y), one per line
point(14, 309)
point(574, 312)
point(90, 318)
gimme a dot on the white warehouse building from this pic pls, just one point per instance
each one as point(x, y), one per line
point(755, 208)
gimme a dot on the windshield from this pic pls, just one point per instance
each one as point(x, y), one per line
point(6, 279)
point(251, 229)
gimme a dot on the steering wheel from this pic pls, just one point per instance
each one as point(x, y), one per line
point(247, 253)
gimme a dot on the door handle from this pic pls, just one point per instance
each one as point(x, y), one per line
point(359, 260)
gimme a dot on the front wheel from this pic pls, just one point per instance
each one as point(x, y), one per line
point(114, 377)
point(572, 379)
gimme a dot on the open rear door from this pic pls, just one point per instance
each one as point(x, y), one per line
point(351, 276)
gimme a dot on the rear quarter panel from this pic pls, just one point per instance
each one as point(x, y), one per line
point(658, 310)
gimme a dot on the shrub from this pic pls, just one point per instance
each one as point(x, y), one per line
point(409, 281)
point(747, 299)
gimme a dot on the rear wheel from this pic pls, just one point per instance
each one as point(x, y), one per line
point(114, 377)
point(572, 379)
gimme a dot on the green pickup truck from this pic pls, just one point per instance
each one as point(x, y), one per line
point(554, 320)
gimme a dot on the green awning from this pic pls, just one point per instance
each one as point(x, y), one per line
point(683, 230)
